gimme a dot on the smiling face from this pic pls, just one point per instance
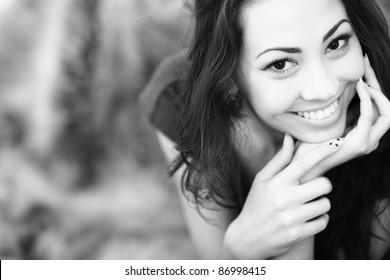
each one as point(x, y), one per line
point(299, 65)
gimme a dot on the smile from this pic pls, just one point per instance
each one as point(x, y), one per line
point(319, 114)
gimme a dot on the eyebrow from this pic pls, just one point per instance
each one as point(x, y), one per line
point(299, 50)
point(334, 29)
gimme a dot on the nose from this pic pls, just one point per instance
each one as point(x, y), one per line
point(320, 83)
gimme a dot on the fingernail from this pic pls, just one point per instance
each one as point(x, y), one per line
point(364, 83)
point(336, 143)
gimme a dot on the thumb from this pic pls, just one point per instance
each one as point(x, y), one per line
point(279, 161)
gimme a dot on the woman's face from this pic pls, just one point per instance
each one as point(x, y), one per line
point(299, 65)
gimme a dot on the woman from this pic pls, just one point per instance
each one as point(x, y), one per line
point(286, 75)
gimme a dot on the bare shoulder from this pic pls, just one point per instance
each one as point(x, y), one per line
point(207, 227)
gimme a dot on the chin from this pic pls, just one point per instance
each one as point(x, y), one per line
point(321, 136)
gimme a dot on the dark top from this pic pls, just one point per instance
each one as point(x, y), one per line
point(163, 97)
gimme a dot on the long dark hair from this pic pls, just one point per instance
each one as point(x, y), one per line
point(212, 111)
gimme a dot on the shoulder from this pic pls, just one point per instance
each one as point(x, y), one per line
point(163, 97)
point(206, 226)
point(172, 68)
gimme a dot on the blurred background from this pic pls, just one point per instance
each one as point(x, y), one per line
point(81, 172)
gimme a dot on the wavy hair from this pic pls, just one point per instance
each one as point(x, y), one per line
point(208, 127)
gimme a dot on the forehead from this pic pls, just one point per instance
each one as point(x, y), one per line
point(270, 23)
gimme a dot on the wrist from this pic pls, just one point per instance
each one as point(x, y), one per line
point(303, 250)
point(237, 247)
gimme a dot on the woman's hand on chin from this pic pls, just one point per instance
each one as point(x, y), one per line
point(373, 123)
point(280, 212)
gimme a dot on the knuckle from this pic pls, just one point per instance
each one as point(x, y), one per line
point(280, 204)
point(291, 236)
point(374, 146)
point(259, 177)
point(365, 149)
point(386, 113)
point(322, 223)
point(370, 149)
point(260, 181)
point(386, 103)
point(361, 148)
point(285, 221)
point(326, 183)
point(370, 115)
point(326, 204)
point(325, 222)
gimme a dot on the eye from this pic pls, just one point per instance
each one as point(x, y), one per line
point(339, 44)
point(281, 66)
point(334, 45)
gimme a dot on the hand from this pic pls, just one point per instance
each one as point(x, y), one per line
point(279, 211)
point(373, 123)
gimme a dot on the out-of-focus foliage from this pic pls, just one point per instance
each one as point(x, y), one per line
point(81, 174)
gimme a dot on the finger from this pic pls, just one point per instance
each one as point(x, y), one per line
point(382, 123)
point(366, 110)
point(314, 227)
point(309, 191)
point(310, 211)
point(302, 148)
point(369, 74)
point(279, 161)
point(307, 161)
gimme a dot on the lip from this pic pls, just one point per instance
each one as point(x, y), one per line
point(342, 99)
point(321, 122)
point(320, 108)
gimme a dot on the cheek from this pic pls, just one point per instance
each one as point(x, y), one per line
point(270, 98)
point(352, 68)
point(271, 101)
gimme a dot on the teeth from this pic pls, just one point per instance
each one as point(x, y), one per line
point(327, 113)
point(320, 114)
